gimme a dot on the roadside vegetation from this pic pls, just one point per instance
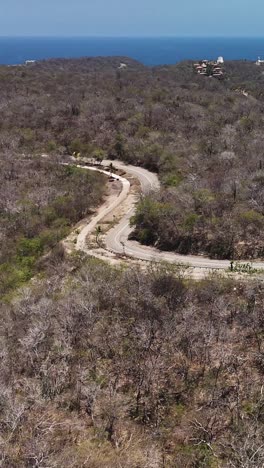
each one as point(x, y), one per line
point(203, 136)
point(104, 367)
point(39, 203)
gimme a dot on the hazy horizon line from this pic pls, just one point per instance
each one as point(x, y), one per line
point(168, 36)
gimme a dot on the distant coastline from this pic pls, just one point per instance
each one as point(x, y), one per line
point(149, 51)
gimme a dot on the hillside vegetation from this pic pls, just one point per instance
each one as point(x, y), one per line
point(39, 203)
point(203, 136)
point(105, 367)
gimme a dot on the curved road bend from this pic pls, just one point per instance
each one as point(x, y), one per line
point(117, 238)
point(104, 210)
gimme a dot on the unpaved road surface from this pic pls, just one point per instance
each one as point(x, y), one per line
point(116, 240)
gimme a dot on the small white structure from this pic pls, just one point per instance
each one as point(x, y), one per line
point(122, 66)
point(220, 60)
point(259, 62)
point(29, 62)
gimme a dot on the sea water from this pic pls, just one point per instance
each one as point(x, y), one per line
point(150, 51)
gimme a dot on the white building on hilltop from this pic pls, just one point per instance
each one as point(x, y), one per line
point(220, 60)
point(259, 61)
point(29, 62)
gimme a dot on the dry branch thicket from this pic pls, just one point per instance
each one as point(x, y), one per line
point(103, 368)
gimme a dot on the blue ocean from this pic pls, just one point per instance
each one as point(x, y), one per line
point(150, 51)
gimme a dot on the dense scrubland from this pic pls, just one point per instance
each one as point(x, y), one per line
point(203, 136)
point(117, 367)
point(105, 367)
point(39, 202)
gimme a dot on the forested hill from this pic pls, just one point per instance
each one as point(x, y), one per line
point(203, 136)
point(102, 366)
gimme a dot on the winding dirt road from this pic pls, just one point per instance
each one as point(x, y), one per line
point(116, 239)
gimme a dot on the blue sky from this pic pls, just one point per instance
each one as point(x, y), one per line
point(132, 17)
